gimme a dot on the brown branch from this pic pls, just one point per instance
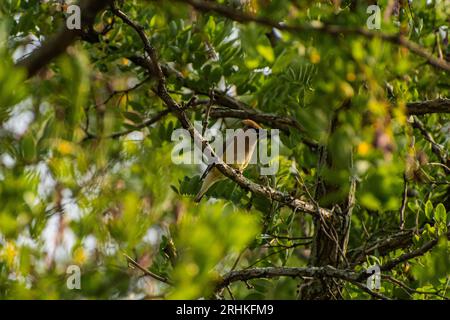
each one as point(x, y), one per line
point(56, 45)
point(273, 236)
point(404, 202)
point(383, 245)
point(143, 125)
point(267, 192)
point(240, 110)
point(410, 290)
point(145, 271)
point(293, 272)
point(229, 102)
point(429, 106)
point(370, 292)
point(274, 121)
point(393, 242)
point(284, 248)
point(437, 149)
point(124, 91)
point(147, 123)
point(208, 111)
point(296, 272)
point(386, 244)
point(411, 255)
point(316, 26)
point(233, 107)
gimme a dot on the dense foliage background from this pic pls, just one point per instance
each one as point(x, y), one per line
point(87, 179)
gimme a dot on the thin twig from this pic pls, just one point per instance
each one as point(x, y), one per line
point(147, 272)
point(317, 26)
point(410, 290)
point(404, 201)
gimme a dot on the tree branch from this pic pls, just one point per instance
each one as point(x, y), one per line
point(233, 108)
point(429, 106)
point(240, 110)
point(293, 272)
point(147, 272)
point(383, 245)
point(410, 290)
point(267, 192)
point(56, 45)
point(274, 121)
point(437, 149)
point(317, 26)
point(386, 244)
point(297, 272)
point(143, 125)
point(412, 254)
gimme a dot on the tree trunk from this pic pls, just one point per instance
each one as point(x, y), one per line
point(331, 236)
point(329, 249)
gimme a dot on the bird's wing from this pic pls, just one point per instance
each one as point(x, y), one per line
point(207, 170)
point(226, 144)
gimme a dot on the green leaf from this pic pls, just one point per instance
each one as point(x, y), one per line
point(266, 52)
point(440, 215)
point(429, 210)
point(133, 117)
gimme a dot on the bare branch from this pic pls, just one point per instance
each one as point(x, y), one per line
point(383, 245)
point(297, 272)
point(410, 290)
point(437, 149)
point(404, 202)
point(429, 106)
point(147, 272)
point(411, 255)
point(371, 292)
point(143, 125)
point(387, 244)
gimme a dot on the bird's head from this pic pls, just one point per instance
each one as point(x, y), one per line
point(251, 125)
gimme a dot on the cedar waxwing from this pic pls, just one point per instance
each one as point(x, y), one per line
point(242, 148)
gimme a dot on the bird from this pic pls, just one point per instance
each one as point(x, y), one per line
point(240, 160)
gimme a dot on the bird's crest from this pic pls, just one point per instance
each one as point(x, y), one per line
point(251, 124)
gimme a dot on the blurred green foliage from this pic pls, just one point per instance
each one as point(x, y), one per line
point(71, 194)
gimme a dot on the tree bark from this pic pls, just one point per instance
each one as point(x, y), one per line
point(331, 235)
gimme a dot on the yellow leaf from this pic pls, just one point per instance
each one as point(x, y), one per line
point(9, 253)
point(266, 52)
point(252, 63)
point(351, 76)
point(314, 57)
point(377, 107)
point(347, 89)
point(65, 147)
point(79, 257)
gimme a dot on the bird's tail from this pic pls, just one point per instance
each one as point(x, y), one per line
point(212, 177)
point(199, 196)
point(207, 183)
